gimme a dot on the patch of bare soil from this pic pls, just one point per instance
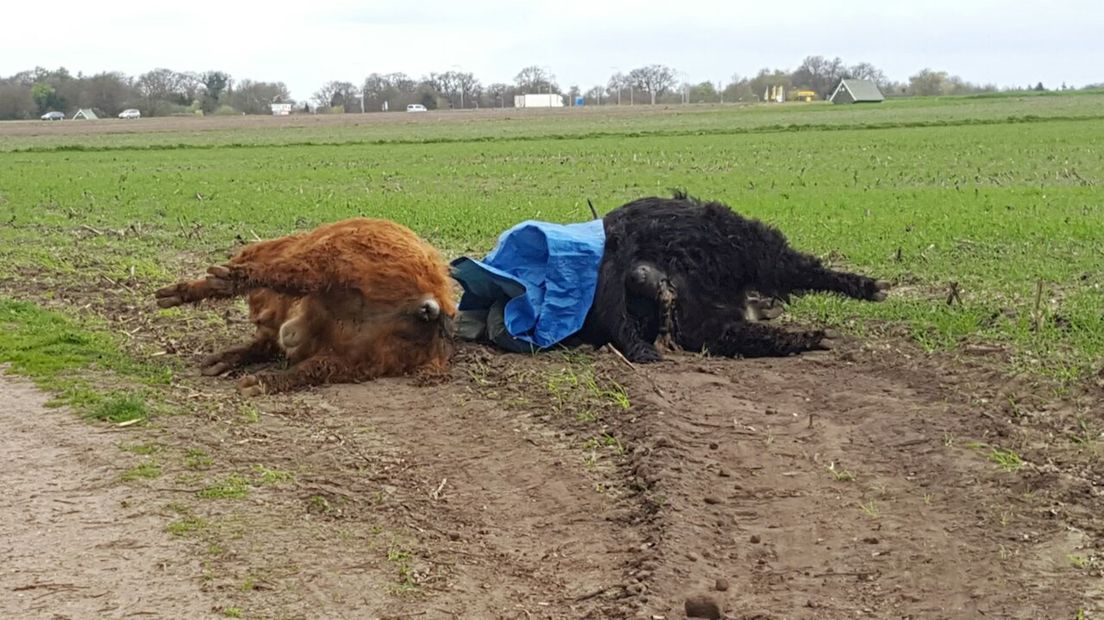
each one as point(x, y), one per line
point(74, 541)
point(851, 483)
point(818, 487)
point(403, 500)
point(844, 484)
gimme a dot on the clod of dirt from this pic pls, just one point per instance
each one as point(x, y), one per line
point(714, 446)
point(870, 540)
point(702, 606)
point(723, 473)
point(721, 585)
point(754, 539)
point(711, 500)
point(454, 535)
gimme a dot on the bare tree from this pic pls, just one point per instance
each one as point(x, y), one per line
point(595, 94)
point(393, 89)
point(867, 71)
point(927, 83)
point(336, 94)
point(159, 88)
point(108, 92)
point(441, 83)
point(617, 84)
point(375, 90)
point(819, 74)
point(456, 86)
point(256, 97)
point(768, 78)
point(655, 79)
point(499, 95)
point(190, 87)
point(534, 79)
point(470, 88)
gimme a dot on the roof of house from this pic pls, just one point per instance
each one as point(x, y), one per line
point(85, 113)
point(861, 90)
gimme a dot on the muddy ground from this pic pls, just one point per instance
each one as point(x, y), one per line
point(74, 543)
point(868, 481)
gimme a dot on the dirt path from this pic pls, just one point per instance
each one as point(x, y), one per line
point(74, 541)
point(833, 485)
point(407, 500)
point(507, 504)
point(821, 489)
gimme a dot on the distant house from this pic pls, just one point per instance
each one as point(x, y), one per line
point(857, 91)
point(280, 109)
point(85, 113)
point(541, 100)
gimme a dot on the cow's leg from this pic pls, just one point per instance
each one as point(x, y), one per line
point(737, 337)
point(318, 370)
point(287, 265)
point(802, 272)
point(192, 291)
point(263, 348)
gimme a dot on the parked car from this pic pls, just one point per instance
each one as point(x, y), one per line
point(416, 107)
point(53, 116)
point(130, 113)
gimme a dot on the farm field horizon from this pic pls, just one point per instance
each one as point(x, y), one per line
point(960, 411)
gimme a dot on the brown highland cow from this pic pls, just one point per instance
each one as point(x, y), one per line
point(349, 301)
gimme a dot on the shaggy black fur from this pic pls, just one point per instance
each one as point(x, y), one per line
point(711, 257)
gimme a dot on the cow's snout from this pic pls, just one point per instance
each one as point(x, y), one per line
point(430, 310)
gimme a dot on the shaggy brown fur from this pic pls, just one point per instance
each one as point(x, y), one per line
point(346, 302)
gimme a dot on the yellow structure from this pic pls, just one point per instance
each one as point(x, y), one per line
point(803, 95)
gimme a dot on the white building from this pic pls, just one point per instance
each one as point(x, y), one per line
point(280, 109)
point(541, 100)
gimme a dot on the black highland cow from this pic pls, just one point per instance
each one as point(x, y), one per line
point(682, 268)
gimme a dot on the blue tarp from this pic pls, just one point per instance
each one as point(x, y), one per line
point(548, 272)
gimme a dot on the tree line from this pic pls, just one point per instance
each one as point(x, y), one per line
point(164, 92)
point(160, 92)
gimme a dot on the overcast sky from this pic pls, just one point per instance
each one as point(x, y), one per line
point(305, 44)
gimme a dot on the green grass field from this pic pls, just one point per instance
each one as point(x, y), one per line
point(996, 194)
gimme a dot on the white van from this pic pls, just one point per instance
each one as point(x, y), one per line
point(416, 107)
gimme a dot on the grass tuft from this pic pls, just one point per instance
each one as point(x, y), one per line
point(233, 486)
point(195, 458)
point(185, 525)
point(266, 475)
point(143, 471)
point(120, 408)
